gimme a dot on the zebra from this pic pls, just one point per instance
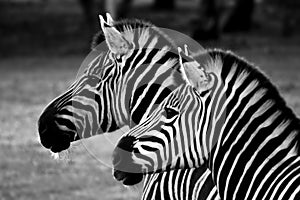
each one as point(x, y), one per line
point(232, 120)
point(112, 93)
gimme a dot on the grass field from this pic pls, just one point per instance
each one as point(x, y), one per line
point(26, 169)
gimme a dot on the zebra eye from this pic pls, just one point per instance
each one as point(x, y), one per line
point(171, 112)
point(92, 81)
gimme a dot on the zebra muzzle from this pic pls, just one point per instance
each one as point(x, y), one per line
point(127, 178)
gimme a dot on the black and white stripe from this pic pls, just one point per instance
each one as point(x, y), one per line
point(123, 89)
point(239, 127)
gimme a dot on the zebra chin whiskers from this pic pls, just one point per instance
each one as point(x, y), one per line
point(66, 156)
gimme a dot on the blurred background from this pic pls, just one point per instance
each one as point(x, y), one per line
point(43, 42)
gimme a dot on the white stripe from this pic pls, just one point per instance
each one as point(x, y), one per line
point(288, 186)
point(273, 135)
point(290, 154)
point(264, 124)
point(295, 193)
point(285, 145)
point(251, 102)
point(162, 185)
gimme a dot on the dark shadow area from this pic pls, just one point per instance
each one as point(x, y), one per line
point(52, 27)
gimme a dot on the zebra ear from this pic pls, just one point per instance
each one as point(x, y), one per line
point(114, 39)
point(195, 75)
point(186, 50)
point(110, 20)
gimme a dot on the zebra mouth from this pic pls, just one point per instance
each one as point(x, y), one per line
point(55, 142)
point(62, 144)
point(58, 149)
point(126, 178)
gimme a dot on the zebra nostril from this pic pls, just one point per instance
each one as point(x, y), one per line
point(119, 175)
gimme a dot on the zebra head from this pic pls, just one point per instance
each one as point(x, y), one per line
point(119, 87)
point(168, 136)
point(92, 104)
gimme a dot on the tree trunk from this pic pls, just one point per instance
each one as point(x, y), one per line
point(164, 4)
point(208, 23)
point(240, 19)
point(88, 11)
point(124, 8)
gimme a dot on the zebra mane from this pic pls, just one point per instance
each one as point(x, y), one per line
point(228, 60)
point(121, 26)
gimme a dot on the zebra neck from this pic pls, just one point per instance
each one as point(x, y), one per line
point(246, 115)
